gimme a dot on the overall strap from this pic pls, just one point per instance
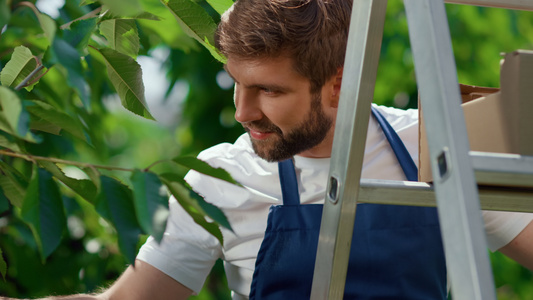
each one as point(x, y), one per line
point(404, 158)
point(287, 174)
point(289, 183)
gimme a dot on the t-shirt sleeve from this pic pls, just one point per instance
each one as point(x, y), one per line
point(502, 227)
point(187, 251)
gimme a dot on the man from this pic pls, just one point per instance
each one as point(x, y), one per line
point(286, 58)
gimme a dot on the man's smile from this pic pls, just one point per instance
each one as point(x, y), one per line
point(258, 134)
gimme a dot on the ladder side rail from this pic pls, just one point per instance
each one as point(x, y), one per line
point(455, 187)
point(509, 4)
point(357, 91)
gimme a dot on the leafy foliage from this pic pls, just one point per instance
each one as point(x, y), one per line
point(74, 187)
point(56, 76)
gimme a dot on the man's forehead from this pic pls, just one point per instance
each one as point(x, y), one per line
point(280, 66)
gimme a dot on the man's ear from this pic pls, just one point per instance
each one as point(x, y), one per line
point(337, 80)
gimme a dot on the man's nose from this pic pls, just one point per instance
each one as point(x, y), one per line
point(247, 108)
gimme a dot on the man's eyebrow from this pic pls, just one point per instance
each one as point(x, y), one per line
point(273, 87)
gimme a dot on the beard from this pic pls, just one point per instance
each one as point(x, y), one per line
point(281, 146)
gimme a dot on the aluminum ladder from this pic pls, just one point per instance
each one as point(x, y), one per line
point(455, 189)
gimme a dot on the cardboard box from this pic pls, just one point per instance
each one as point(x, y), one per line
point(496, 120)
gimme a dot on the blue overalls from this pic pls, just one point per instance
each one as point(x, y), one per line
point(396, 251)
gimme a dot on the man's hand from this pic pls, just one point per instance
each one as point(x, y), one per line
point(139, 283)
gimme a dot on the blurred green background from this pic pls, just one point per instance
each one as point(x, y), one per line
point(189, 93)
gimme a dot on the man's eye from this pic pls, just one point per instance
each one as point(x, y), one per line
point(268, 91)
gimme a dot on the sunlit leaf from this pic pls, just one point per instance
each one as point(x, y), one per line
point(142, 16)
point(121, 35)
point(115, 203)
point(3, 265)
point(201, 166)
point(12, 190)
point(196, 22)
point(220, 5)
point(151, 205)
point(83, 187)
point(8, 143)
point(20, 66)
point(87, 2)
point(43, 211)
point(123, 7)
point(187, 199)
point(13, 184)
point(14, 119)
point(48, 25)
point(126, 76)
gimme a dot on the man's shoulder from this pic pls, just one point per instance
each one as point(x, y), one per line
point(228, 150)
point(397, 117)
point(237, 157)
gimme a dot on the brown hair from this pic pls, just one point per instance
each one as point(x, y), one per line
point(311, 32)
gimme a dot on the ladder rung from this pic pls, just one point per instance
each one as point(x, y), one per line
point(511, 4)
point(421, 194)
point(503, 169)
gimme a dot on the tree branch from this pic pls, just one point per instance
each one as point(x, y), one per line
point(33, 158)
point(29, 77)
point(89, 15)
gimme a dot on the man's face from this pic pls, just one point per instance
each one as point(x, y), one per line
point(274, 105)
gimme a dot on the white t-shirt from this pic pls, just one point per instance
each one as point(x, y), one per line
point(187, 252)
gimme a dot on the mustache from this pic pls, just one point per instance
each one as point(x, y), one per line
point(261, 125)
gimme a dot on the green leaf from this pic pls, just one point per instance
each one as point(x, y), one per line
point(146, 16)
point(66, 55)
point(93, 175)
point(13, 184)
point(83, 187)
point(4, 202)
point(5, 13)
point(21, 64)
point(3, 266)
point(126, 76)
point(187, 199)
point(115, 203)
point(195, 22)
point(7, 142)
point(14, 119)
point(122, 35)
point(87, 2)
point(79, 33)
point(201, 166)
point(123, 7)
point(43, 211)
point(166, 28)
point(196, 200)
point(142, 16)
point(151, 205)
point(48, 25)
point(220, 6)
point(44, 111)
